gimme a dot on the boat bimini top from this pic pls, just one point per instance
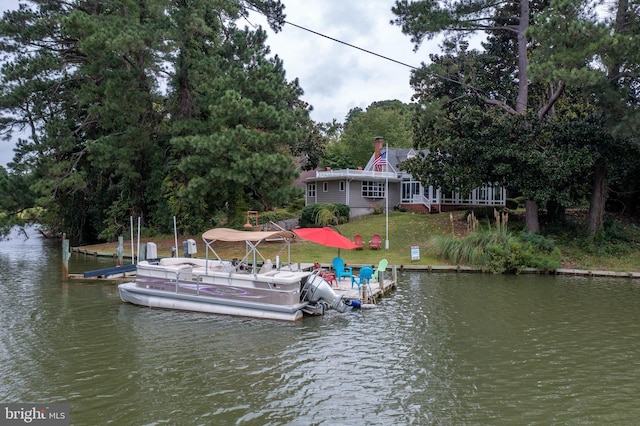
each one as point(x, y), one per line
point(251, 239)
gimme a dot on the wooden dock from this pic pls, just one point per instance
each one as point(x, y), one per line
point(368, 293)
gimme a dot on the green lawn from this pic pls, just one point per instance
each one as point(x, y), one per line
point(408, 229)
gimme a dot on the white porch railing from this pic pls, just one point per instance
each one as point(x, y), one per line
point(426, 196)
point(346, 173)
point(485, 196)
point(421, 199)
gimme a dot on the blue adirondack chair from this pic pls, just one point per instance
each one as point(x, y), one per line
point(364, 278)
point(340, 270)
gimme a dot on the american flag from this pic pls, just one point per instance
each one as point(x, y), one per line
point(380, 161)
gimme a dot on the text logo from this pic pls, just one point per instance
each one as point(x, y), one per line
point(34, 414)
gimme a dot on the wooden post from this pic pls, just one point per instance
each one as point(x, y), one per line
point(119, 250)
point(395, 276)
point(65, 257)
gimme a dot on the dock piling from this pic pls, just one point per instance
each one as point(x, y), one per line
point(66, 254)
point(120, 250)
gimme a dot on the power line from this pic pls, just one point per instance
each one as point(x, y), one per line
point(351, 45)
point(333, 39)
point(442, 77)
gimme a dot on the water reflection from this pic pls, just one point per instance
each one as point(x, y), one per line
point(443, 349)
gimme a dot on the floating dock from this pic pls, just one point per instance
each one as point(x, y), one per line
point(109, 272)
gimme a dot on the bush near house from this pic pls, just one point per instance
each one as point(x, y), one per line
point(318, 215)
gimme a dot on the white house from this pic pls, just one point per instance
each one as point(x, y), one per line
point(366, 189)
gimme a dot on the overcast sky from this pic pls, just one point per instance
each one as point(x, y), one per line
point(334, 77)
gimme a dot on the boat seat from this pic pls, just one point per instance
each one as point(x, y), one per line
point(174, 261)
point(213, 268)
point(218, 267)
point(177, 268)
point(266, 267)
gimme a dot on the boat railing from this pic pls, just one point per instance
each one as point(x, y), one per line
point(184, 279)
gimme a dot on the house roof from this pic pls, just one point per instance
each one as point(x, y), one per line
point(304, 175)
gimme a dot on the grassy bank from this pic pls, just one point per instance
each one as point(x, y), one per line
point(618, 250)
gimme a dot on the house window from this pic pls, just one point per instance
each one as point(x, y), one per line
point(311, 190)
point(482, 194)
point(497, 192)
point(410, 190)
point(372, 189)
point(325, 186)
point(342, 185)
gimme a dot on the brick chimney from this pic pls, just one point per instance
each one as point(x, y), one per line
point(377, 146)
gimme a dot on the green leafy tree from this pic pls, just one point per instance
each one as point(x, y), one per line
point(17, 198)
point(312, 148)
point(124, 139)
point(107, 142)
point(470, 144)
point(600, 58)
point(390, 119)
point(545, 159)
point(236, 118)
point(510, 22)
point(38, 99)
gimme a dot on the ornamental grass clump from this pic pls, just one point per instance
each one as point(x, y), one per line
point(496, 250)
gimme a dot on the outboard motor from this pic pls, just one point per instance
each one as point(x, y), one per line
point(318, 289)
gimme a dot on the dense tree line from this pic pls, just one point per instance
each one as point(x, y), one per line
point(162, 108)
point(149, 108)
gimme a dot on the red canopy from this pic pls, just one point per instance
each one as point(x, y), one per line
point(326, 236)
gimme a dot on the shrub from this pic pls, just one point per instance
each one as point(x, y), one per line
point(539, 242)
point(344, 212)
point(296, 205)
point(318, 215)
point(308, 215)
point(513, 203)
point(498, 251)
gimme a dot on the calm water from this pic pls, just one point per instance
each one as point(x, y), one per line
point(442, 349)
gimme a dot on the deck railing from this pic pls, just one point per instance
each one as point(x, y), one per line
point(486, 196)
point(419, 199)
point(355, 173)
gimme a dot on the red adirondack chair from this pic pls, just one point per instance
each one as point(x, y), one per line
point(358, 240)
point(375, 242)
